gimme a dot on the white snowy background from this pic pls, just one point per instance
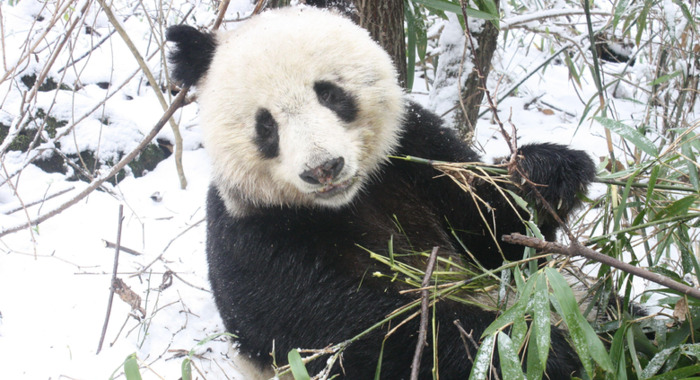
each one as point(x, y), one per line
point(55, 278)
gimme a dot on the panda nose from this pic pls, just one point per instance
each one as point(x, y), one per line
point(324, 173)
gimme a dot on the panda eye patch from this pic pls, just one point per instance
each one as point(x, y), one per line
point(337, 100)
point(266, 135)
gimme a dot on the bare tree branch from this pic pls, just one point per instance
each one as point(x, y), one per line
point(425, 302)
point(114, 278)
point(576, 249)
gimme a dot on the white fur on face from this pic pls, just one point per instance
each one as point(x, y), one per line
point(310, 139)
point(272, 63)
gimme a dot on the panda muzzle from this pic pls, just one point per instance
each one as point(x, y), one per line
point(325, 173)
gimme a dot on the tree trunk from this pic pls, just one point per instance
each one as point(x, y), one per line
point(472, 89)
point(382, 18)
point(384, 21)
point(278, 3)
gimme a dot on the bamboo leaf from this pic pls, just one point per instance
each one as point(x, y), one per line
point(633, 350)
point(209, 339)
point(680, 373)
point(665, 78)
point(131, 368)
point(510, 364)
point(518, 332)
point(297, 366)
point(186, 369)
point(679, 207)
point(666, 272)
point(512, 313)
point(482, 362)
point(642, 21)
point(489, 7)
point(541, 317)
point(692, 349)
point(621, 208)
point(585, 339)
point(421, 40)
point(630, 134)
point(652, 183)
point(691, 161)
point(540, 336)
point(682, 241)
point(686, 13)
point(620, 9)
point(573, 72)
point(656, 363)
point(534, 229)
point(522, 203)
point(448, 6)
point(617, 354)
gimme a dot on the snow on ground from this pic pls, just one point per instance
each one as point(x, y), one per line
point(55, 290)
point(55, 279)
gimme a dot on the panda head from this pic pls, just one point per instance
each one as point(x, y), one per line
point(298, 106)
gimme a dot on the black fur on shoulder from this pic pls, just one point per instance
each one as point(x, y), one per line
point(193, 53)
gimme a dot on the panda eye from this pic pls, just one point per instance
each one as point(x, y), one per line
point(327, 97)
point(337, 100)
point(266, 127)
point(266, 134)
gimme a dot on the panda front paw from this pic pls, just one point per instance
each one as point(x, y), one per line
point(557, 172)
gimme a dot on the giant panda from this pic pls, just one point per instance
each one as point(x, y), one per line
point(300, 111)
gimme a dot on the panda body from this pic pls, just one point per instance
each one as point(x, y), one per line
point(300, 109)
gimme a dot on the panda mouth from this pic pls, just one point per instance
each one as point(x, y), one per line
point(332, 189)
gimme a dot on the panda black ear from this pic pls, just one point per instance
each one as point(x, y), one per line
point(193, 53)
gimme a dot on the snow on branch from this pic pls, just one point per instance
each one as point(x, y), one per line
point(539, 17)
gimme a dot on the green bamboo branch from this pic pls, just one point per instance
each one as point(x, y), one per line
point(496, 169)
point(674, 219)
point(645, 185)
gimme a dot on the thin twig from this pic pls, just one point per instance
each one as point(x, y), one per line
point(576, 249)
point(114, 279)
point(469, 335)
point(425, 301)
point(2, 40)
point(22, 206)
point(94, 47)
point(222, 12)
point(109, 244)
point(144, 269)
point(42, 200)
point(464, 335)
point(186, 282)
point(541, 16)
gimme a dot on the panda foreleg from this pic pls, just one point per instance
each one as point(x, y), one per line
point(545, 172)
point(558, 174)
